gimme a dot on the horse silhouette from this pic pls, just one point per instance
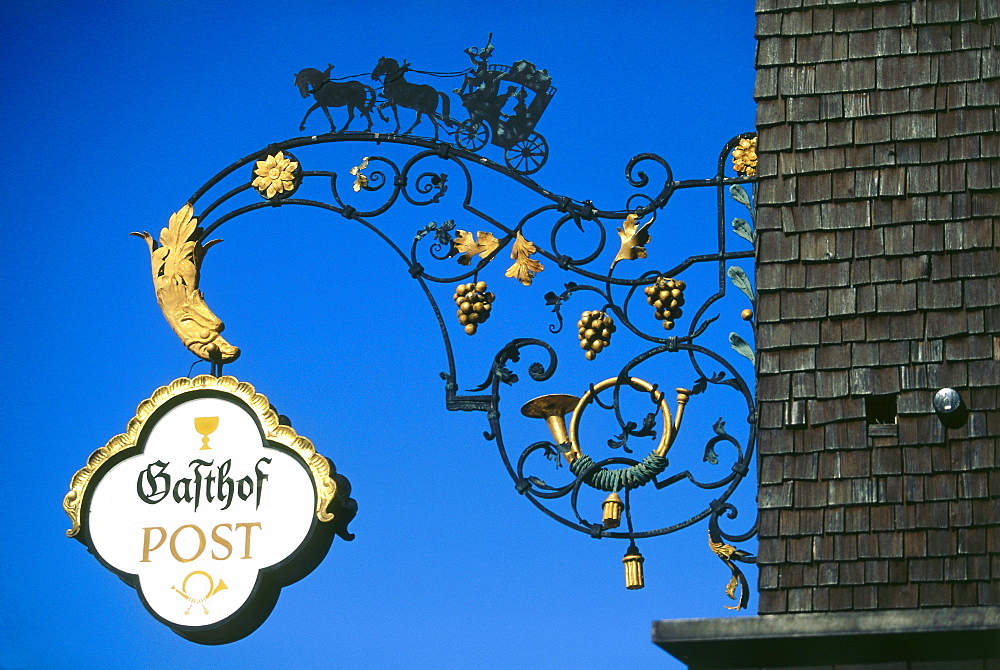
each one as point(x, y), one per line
point(328, 94)
point(401, 93)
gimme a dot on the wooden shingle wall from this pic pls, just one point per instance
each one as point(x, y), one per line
point(879, 283)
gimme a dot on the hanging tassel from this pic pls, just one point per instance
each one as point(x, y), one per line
point(612, 507)
point(633, 568)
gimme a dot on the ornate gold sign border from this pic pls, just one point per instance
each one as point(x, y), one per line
point(318, 465)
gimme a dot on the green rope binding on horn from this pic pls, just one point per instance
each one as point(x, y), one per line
point(631, 477)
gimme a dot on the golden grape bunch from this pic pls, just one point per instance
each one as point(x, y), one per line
point(745, 157)
point(474, 305)
point(667, 297)
point(595, 329)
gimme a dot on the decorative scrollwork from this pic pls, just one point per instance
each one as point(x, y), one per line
point(628, 279)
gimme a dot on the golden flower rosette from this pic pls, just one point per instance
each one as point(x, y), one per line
point(275, 175)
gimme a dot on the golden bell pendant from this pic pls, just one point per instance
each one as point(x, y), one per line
point(612, 507)
point(633, 568)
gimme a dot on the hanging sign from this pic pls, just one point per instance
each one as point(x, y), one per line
point(208, 505)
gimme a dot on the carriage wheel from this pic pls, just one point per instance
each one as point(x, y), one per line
point(472, 135)
point(528, 155)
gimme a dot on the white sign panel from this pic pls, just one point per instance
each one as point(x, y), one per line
point(210, 505)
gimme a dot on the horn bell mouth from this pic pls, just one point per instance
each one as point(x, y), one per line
point(556, 404)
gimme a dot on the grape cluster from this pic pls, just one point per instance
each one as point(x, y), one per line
point(745, 157)
point(667, 297)
point(474, 305)
point(595, 330)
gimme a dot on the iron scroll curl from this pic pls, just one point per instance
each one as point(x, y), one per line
point(442, 175)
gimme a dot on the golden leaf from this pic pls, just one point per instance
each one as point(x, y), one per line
point(524, 268)
point(360, 180)
point(484, 245)
point(633, 238)
point(731, 591)
point(721, 549)
point(725, 552)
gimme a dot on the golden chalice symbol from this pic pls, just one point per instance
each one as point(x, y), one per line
point(205, 425)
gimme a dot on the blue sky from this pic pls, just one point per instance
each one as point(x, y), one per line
point(115, 113)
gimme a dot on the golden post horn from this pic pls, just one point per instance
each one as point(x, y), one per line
point(554, 408)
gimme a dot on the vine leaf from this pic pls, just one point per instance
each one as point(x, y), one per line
point(720, 430)
point(744, 230)
point(622, 441)
point(702, 383)
point(524, 268)
point(506, 376)
point(725, 552)
point(741, 347)
point(483, 244)
point(647, 429)
point(441, 233)
point(360, 180)
point(740, 280)
point(634, 238)
point(740, 195)
point(551, 298)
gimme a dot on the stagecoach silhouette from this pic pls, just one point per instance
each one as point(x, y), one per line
point(504, 104)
